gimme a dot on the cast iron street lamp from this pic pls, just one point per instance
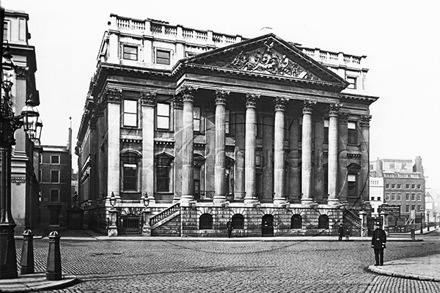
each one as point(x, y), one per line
point(8, 124)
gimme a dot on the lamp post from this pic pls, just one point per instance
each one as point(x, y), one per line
point(9, 124)
point(421, 221)
point(113, 227)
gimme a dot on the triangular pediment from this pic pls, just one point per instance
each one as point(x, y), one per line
point(267, 56)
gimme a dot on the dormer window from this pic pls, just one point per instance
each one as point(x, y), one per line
point(352, 82)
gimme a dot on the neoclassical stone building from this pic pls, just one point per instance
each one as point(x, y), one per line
point(184, 130)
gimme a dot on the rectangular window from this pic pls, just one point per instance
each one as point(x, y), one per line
point(227, 131)
point(418, 186)
point(163, 116)
point(378, 198)
point(407, 208)
point(398, 186)
point(54, 159)
point(130, 53)
point(197, 119)
point(326, 125)
point(419, 196)
point(413, 186)
point(54, 195)
point(398, 197)
point(372, 198)
point(413, 196)
point(352, 185)
point(352, 133)
point(130, 113)
point(407, 185)
point(163, 57)
point(387, 196)
point(407, 196)
point(393, 196)
point(387, 186)
point(413, 207)
point(351, 82)
point(55, 176)
point(393, 185)
point(5, 31)
point(418, 208)
point(130, 177)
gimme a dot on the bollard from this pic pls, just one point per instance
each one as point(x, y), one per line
point(53, 270)
point(413, 234)
point(27, 253)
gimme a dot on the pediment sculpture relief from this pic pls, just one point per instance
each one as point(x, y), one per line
point(267, 60)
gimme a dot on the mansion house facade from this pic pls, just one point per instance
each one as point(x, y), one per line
point(184, 130)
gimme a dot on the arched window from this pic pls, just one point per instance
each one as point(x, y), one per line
point(205, 222)
point(296, 222)
point(323, 222)
point(130, 165)
point(163, 172)
point(238, 221)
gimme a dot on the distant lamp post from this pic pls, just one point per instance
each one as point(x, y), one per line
point(146, 228)
point(9, 124)
point(421, 221)
point(113, 213)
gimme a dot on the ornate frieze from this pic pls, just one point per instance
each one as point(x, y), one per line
point(365, 120)
point(308, 106)
point(113, 95)
point(251, 100)
point(268, 61)
point(280, 103)
point(187, 93)
point(148, 99)
point(220, 97)
point(21, 73)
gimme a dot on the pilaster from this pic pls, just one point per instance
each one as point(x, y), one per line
point(148, 102)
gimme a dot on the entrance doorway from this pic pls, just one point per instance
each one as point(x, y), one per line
point(267, 226)
point(54, 216)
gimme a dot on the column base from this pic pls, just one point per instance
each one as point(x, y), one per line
point(218, 200)
point(280, 201)
point(251, 200)
point(333, 202)
point(185, 199)
point(112, 231)
point(307, 202)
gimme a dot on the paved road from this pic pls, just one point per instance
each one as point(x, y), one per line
point(184, 266)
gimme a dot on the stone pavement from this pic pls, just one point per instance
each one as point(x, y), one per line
point(420, 268)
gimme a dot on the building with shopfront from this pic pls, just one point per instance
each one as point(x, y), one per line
point(24, 163)
point(184, 130)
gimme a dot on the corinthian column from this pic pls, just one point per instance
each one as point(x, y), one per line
point(333, 154)
point(306, 155)
point(365, 157)
point(250, 141)
point(220, 140)
point(188, 144)
point(280, 105)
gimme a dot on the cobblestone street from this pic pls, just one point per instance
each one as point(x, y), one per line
point(184, 266)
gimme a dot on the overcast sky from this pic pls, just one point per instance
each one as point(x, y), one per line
point(400, 38)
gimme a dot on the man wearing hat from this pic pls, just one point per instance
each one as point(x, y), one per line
point(378, 243)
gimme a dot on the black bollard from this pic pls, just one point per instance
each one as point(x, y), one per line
point(27, 253)
point(53, 270)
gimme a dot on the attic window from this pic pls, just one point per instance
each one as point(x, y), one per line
point(130, 52)
point(352, 82)
point(163, 57)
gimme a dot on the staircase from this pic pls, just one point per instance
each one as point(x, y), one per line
point(354, 220)
point(165, 216)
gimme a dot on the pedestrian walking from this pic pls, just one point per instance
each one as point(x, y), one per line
point(229, 227)
point(347, 235)
point(378, 242)
point(341, 232)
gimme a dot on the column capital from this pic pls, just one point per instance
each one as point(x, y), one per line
point(365, 120)
point(148, 99)
point(21, 73)
point(187, 93)
point(178, 102)
point(334, 109)
point(113, 95)
point(220, 97)
point(343, 118)
point(251, 100)
point(308, 106)
point(280, 103)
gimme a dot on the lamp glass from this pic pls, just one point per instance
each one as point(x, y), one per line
point(30, 116)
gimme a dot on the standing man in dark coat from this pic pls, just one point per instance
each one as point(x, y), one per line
point(229, 227)
point(378, 243)
point(341, 232)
